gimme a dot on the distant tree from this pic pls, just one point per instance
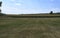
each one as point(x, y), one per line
point(0, 9)
point(0, 4)
point(51, 12)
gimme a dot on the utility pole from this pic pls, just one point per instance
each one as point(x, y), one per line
point(0, 6)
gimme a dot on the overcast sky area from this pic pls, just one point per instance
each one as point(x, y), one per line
point(30, 6)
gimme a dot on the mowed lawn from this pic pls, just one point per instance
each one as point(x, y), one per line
point(29, 27)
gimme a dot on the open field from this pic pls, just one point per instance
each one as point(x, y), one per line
point(29, 27)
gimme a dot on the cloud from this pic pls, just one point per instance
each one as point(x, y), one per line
point(13, 10)
point(0, 0)
point(18, 3)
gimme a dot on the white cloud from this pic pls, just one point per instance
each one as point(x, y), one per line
point(18, 4)
point(13, 10)
point(0, 0)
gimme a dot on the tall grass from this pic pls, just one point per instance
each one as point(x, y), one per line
point(29, 27)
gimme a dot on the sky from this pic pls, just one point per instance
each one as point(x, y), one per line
point(29, 6)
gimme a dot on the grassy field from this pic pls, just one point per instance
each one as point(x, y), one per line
point(29, 27)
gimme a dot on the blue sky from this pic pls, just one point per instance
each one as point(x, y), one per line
point(30, 6)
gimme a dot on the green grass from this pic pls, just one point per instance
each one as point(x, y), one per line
point(29, 27)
